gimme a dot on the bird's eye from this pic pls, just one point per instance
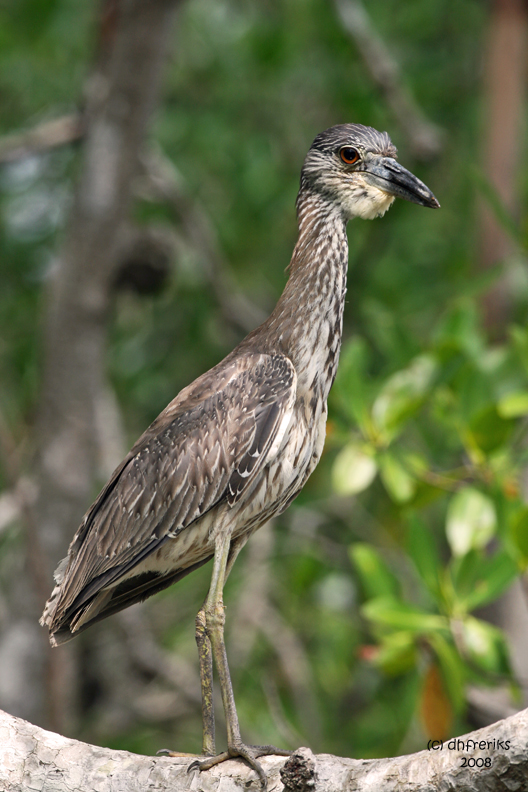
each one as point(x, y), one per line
point(349, 155)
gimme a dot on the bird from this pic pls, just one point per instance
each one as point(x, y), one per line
point(236, 446)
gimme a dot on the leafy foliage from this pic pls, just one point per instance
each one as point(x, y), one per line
point(446, 434)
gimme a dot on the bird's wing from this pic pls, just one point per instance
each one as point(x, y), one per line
point(206, 446)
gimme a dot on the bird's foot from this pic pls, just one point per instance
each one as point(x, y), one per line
point(250, 753)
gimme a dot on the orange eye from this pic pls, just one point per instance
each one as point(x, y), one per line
point(349, 155)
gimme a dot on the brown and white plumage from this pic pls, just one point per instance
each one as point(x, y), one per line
point(237, 445)
point(200, 455)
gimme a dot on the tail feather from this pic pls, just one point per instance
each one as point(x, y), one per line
point(48, 615)
point(63, 627)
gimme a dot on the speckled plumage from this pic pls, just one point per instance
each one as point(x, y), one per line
point(156, 517)
point(236, 446)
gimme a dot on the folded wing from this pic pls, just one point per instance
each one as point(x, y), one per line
point(206, 447)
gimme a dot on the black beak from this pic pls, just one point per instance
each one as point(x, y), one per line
point(388, 175)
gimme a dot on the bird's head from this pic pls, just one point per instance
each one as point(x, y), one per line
point(355, 168)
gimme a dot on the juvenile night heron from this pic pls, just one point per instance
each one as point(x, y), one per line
point(236, 446)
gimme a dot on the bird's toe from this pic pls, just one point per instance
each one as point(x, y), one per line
point(249, 753)
point(268, 750)
point(169, 752)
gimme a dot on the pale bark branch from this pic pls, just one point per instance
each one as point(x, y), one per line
point(42, 137)
point(31, 758)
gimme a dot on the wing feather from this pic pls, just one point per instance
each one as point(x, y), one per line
point(206, 447)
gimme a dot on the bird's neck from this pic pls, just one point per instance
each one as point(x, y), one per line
point(307, 322)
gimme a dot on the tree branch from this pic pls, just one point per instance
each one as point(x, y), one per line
point(42, 137)
point(424, 137)
point(31, 758)
point(161, 181)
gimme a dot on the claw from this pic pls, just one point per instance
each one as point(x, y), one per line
point(211, 761)
point(249, 753)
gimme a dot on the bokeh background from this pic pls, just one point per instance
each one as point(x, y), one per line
point(149, 163)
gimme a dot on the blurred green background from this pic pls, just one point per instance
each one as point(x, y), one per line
point(354, 621)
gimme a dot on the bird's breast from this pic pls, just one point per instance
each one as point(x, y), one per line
point(286, 473)
point(293, 457)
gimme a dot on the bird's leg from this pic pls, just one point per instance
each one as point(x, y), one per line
point(234, 549)
point(215, 621)
point(205, 656)
point(213, 610)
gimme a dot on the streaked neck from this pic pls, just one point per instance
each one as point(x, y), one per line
point(307, 322)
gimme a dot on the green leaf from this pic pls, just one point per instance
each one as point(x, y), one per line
point(497, 574)
point(513, 405)
point(489, 429)
point(465, 572)
point(471, 520)
point(402, 395)
point(519, 534)
point(452, 668)
point(486, 646)
point(354, 470)
point(397, 653)
point(400, 485)
point(389, 612)
point(460, 328)
point(478, 580)
point(376, 578)
point(422, 550)
point(350, 387)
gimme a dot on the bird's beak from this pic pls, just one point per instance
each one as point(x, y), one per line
point(388, 175)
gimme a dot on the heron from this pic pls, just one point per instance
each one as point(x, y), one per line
point(236, 446)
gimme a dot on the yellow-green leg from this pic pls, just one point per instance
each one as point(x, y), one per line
point(205, 656)
point(210, 638)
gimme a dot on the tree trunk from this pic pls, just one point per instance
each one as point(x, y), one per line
point(505, 88)
point(121, 98)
